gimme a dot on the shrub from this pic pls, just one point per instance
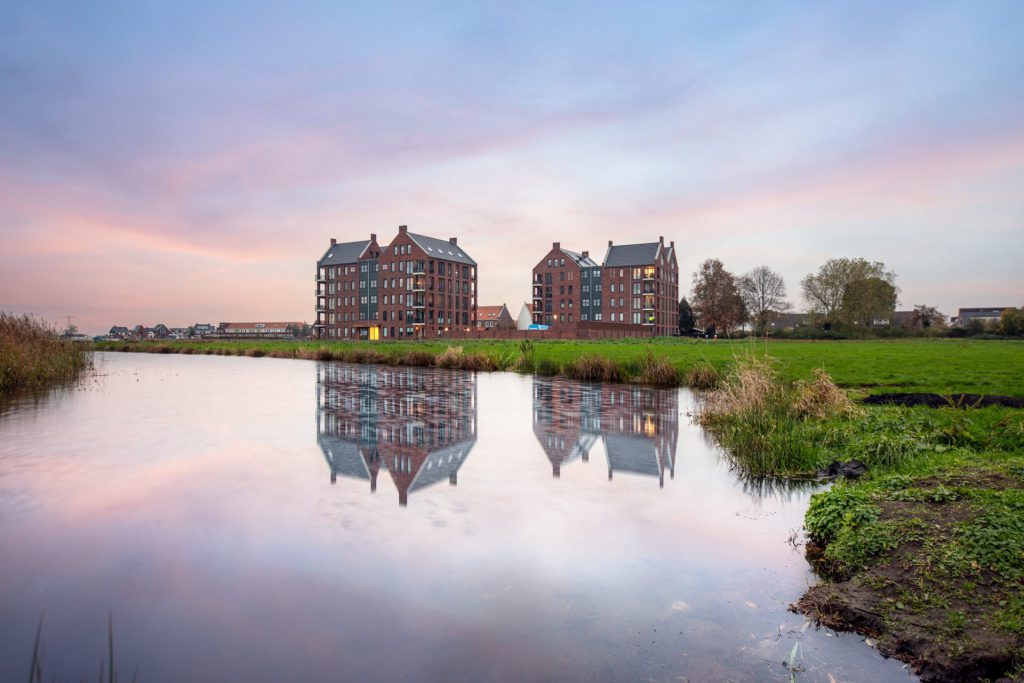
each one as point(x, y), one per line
point(255, 353)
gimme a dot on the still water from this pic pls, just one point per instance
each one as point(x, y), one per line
point(279, 520)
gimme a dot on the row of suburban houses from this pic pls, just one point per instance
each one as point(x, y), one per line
point(245, 329)
point(422, 287)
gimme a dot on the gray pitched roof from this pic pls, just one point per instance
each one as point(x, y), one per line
point(631, 454)
point(442, 464)
point(442, 249)
point(631, 254)
point(343, 252)
point(580, 259)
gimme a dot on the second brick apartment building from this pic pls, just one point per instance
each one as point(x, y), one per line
point(636, 284)
point(416, 287)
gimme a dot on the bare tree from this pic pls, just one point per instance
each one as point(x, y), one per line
point(764, 294)
point(716, 300)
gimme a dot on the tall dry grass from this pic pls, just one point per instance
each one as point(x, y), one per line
point(33, 356)
point(757, 417)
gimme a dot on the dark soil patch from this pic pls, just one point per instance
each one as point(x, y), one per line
point(943, 625)
point(941, 401)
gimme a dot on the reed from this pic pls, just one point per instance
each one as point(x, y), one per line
point(33, 356)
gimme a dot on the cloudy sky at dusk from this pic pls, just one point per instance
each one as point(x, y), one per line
point(183, 162)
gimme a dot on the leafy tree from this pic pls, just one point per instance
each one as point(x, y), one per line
point(716, 299)
point(685, 317)
point(925, 317)
point(1011, 322)
point(764, 295)
point(866, 299)
point(832, 295)
point(975, 326)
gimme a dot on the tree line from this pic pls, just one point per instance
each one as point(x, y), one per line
point(845, 295)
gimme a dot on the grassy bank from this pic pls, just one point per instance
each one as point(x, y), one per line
point(925, 552)
point(941, 365)
point(32, 356)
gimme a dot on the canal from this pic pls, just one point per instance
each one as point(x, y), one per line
point(271, 520)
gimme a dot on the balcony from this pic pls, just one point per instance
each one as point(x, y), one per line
point(419, 285)
point(418, 269)
point(320, 279)
point(320, 308)
point(649, 274)
point(419, 303)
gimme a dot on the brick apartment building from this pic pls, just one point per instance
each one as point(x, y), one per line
point(416, 287)
point(560, 281)
point(637, 284)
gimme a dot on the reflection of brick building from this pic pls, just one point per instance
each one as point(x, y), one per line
point(417, 424)
point(639, 425)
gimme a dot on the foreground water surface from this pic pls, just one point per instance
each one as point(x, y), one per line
point(274, 520)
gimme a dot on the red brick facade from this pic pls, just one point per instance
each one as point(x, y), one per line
point(416, 287)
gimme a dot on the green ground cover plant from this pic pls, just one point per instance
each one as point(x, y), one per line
point(925, 552)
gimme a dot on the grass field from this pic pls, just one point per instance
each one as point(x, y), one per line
point(910, 365)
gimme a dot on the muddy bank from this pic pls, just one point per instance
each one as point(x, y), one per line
point(940, 586)
point(941, 401)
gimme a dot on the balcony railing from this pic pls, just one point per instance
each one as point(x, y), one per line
point(418, 285)
point(419, 303)
point(320, 309)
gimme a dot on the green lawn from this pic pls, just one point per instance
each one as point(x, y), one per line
point(912, 365)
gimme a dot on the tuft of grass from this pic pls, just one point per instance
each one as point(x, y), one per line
point(450, 358)
point(752, 415)
point(820, 398)
point(33, 356)
point(592, 369)
point(658, 371)
point(702, 376)
point(417, 358)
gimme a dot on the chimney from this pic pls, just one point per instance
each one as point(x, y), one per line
point(556, 245)
point(403, 229)
point(609, 243)
point(453, 240)
point(672, 244)
point(661, 240)
point(586, 254)
point(333, 241)
point(373, 237)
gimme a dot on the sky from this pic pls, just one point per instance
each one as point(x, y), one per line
point(189, 162)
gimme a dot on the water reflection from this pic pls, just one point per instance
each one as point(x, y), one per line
point(419, 425)
point(638, 425)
